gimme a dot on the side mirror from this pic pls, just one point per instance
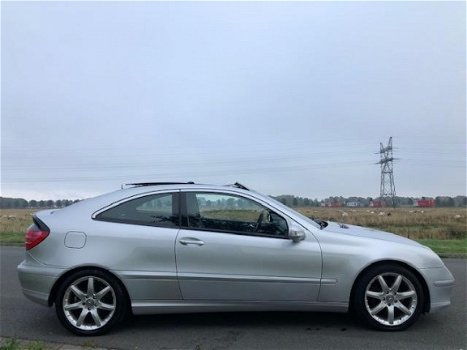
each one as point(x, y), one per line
point(296, 233)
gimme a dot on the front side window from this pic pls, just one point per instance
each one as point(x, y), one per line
point(153, 210)
point(223, 212)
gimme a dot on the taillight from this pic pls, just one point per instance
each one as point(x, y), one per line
point(35, 235)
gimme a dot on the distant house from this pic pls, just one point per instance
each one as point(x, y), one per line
point(332, 204)
point(377, 203)
point(425, 203)
point(353, 204)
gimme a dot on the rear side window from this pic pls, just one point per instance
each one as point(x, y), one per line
point(154, 210)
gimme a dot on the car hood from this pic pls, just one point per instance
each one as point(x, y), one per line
point(353, 230)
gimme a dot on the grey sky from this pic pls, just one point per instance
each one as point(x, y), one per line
point(284, 97)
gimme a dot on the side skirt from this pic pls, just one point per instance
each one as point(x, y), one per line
point(147, 307)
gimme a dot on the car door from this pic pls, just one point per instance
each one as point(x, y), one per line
point(233, 248)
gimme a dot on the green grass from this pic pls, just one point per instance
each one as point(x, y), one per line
point(13, 344)
point(446, 246)
point(8, 238)
point(10, 344)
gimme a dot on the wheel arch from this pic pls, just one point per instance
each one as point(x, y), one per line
point(426, 291)
point(58, 282)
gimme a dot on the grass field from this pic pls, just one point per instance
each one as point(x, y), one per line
point(414, 223)
point(442, 229)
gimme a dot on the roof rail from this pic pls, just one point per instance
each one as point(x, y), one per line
point(137, 184)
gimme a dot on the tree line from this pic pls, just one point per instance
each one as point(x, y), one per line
point(289, 200)
point(21, 203)
point(440, 201)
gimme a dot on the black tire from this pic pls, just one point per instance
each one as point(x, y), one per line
point(90, 302)
point(374, 299)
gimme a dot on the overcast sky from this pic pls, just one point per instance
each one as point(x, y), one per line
point(283, 97)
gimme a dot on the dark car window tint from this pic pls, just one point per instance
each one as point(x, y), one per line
point(157, 210)
point(221, 212)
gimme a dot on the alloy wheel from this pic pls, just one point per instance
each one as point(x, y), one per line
point(390, 299)
point(89, 303)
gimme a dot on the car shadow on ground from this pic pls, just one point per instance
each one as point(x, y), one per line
point(247, 320)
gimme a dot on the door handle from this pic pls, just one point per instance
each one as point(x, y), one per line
point(195, 241)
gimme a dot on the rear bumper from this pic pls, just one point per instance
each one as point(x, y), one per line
point(37, 281)
point(440, 283)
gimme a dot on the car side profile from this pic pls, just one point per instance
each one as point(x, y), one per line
point(153, 248)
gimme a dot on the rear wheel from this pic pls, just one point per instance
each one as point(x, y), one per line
point(388, 297)
point(90, 302)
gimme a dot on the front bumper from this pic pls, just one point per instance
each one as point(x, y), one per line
point(440, 283)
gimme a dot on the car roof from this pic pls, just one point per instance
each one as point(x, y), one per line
point(136, 189)
point(89, 206)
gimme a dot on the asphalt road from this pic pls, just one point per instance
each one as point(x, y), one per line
point(23, 319)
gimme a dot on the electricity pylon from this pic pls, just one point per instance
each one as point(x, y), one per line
point(387, 188)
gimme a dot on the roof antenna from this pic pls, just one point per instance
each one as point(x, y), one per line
point(239, 185)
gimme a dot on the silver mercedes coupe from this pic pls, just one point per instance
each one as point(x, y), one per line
point(154, 248)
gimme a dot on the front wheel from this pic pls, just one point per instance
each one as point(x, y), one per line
point(388, 297)
point(90, 302)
